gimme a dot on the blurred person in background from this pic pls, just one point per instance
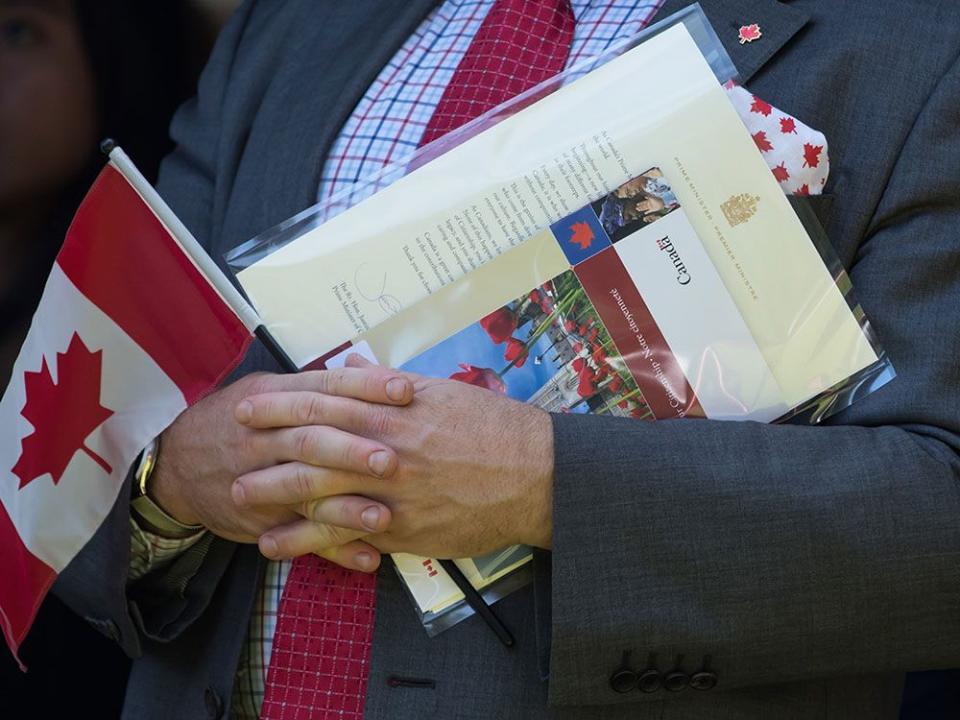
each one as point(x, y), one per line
point(72, 72)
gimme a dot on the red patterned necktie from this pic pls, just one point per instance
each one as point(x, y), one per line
point(321, 646)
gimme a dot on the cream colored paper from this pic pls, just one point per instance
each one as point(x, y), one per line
point(476, 201)
point(657, 105)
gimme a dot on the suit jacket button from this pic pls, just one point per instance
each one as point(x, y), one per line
point(676, 681)
point(213, 704)
point(623, 680)
point(649, 681)
point(703, 681)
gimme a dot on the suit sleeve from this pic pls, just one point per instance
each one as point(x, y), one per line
point(95, 583)
point(772, 554)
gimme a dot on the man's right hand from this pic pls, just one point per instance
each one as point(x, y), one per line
point(206, 449)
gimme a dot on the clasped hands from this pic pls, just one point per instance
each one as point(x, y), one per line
point(352, 462)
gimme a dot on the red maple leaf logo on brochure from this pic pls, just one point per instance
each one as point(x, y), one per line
point(760, 138)
point(811, 155)
point(63, 414)
point(582, 235)
point(761, 107)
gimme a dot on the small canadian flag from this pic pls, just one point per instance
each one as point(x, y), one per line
point(129, 332)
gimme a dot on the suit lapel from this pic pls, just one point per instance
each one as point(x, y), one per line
point(778, 21)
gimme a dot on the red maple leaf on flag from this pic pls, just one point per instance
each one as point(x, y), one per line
point(63, 414)
point(781, 173)
point(811, 155)
point(760, 138)
point(788, 125)
point(582, 235)
point(761, 107)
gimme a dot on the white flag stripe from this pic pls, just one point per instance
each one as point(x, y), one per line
point(55, 521)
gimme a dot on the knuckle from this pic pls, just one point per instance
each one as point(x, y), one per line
point(305, 444)
point(310, 509)
point(334, 382)
point(339, 535)
point(379, 419)
point(301, 482)
point(309, 408)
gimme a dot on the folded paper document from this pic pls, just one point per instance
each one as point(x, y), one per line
point(619, 246)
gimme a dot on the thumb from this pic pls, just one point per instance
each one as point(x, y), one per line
point(356, 360)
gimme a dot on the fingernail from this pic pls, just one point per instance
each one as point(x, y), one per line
point(268, 546)
point(378, 462)
point(371, 518)
point(244, 412)
point(363, 560)
point(397, 389)
point(239, 494)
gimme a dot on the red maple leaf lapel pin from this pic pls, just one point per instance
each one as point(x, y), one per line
point(63, 413)
point(749, 33)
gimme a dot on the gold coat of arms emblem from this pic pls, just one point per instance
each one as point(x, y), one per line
point(740, 208)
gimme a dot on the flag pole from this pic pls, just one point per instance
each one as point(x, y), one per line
point(252, 321)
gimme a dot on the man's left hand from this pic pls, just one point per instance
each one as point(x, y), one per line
point(475, 470)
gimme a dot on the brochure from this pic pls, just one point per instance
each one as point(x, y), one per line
point(616, 309)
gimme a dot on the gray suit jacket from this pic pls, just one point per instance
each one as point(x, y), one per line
point(806, 567)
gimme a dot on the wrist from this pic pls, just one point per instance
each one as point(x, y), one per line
point(165, 489)
point(536, 522)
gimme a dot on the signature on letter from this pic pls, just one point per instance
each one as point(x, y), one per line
point(373, 287)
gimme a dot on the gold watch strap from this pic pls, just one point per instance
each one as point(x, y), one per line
point(152, 517)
